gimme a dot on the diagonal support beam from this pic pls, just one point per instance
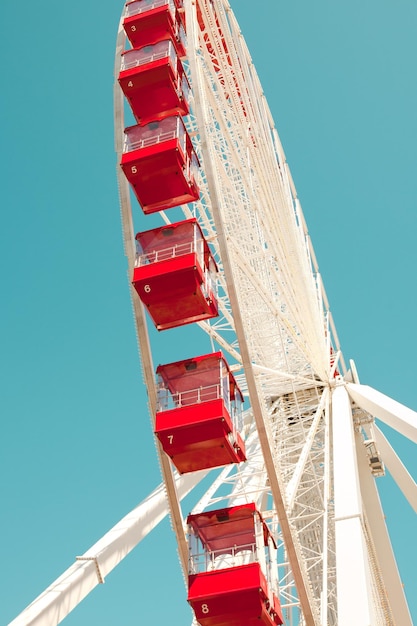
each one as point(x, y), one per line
point(90, 569)
point(392, 595)
point(294, 482)
point(396, 468)
point(392, 413)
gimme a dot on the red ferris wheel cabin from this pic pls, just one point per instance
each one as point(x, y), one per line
point(160, 164)
point(199, 413)
point(148, 21)
point(175, 274)
point(232, 569)
point(154, 82)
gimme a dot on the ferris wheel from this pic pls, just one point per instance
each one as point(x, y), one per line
point(291, 527)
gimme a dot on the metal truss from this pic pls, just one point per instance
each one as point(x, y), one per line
point(314, 451)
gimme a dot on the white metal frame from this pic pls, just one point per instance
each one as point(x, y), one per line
point(306, 431)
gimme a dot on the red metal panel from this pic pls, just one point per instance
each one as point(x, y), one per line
point(199, 436)
point(197, 415)
point(153, 25)
point(155, 239)
point(158, 176)
point(225, 529)
point(214, 452)
point(193, 423)
point(172, 292)
point(216, 582)
point(172, 277)
point(179, 233)
point(200, 371)
point(235, 596)
point(168, 280)
point(162, 268)
point(154, 90)
point(279, 618)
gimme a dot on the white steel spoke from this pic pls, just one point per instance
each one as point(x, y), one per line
point(394, 414)
point(301, 464)
point(396, 468)
point(97, 562)
point(312, 447)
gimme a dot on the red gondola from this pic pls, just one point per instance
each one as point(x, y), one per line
point(160, 164)
point(154, 82)
point(175, 275)
point(148, 21)
point(199, 413)
point(232, 569)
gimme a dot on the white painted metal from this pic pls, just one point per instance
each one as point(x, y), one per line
point(327, 508)
point(223, 226)
point(294, 482)
point(275, 322)
point(90, 569)
point(390, 588)
point(138, 309)
point(354, 596)
point(389, 411)
point(396, 468)
point(276, 327)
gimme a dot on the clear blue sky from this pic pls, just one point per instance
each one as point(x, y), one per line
point(76, 448)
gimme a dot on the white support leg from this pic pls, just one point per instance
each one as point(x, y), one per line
point(90, 569)
point(396, 415)
point(354, 597)
point(294, 482)
point(391, 592)
point(326, 499)
point(396, 468)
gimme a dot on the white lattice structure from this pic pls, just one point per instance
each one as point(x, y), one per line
point(314, 451)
